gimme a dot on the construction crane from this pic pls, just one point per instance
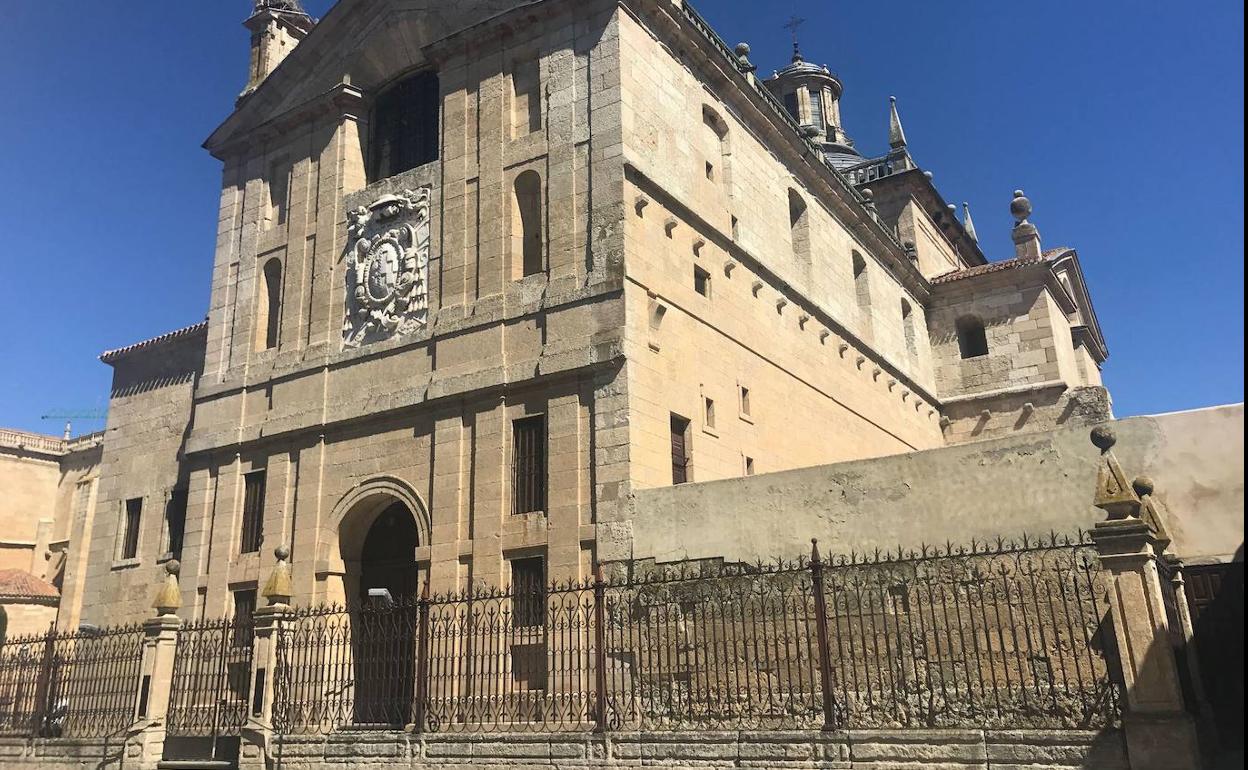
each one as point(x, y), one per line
point(69, 415)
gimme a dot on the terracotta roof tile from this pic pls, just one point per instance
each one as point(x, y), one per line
point(991, 267)
point(110, 356)
point(16, 584)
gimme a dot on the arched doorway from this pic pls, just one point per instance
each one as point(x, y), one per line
point(378, 538)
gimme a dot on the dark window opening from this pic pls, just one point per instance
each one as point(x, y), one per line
point(529, 465)
point(749, 466)
point(528, 586)
point(790, 104)
point(175, 523)
point(745, 401)
point(680, 449)
point(253, 512)
point(972, 338)
point(527, 225)
point(710, 412)
point(271, 310)
point(130, 539)
point(701, 282)
point(405, 126)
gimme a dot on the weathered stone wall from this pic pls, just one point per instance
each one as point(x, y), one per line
point(708, 192)
point(877, 750)
point(1033, 483)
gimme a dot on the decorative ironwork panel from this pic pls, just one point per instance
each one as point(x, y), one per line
point(211, 683)
point(79, 684)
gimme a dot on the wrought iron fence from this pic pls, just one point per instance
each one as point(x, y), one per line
point(1009, 634)
point(72, 684)
point(211, 678)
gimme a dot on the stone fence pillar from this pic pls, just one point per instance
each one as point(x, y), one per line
point(259, 732)
point(1160, 734)
point(160, 644)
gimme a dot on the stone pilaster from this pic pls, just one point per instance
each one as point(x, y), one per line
point(258, 733)
point(1160, 733)
point(160, 643)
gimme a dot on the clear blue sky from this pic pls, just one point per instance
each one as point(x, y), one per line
point(1122, 119)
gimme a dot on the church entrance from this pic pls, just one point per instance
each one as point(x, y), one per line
point(384, 615)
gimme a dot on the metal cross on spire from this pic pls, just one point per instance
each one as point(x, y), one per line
point(793, 25)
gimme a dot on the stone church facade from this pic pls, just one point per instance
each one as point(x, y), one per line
point(485, 270)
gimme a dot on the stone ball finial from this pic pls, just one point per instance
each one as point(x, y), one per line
point(810, 131)
point(868, 193)
point(742, 49)
point(173, 567)
point(1103, 437)
point(282, 552)
point(892, 100)
point(1020, 207)
point(929, 175)
point(1143, 485)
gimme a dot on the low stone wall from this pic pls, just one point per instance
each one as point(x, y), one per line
point(873, 750)
point(69, 754)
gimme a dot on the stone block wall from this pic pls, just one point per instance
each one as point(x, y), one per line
point(845, 750)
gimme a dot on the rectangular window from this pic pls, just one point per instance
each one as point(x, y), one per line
point(709, 405)
point(253, 512)
point(816, 109)
point(745, 401)
point(529, 464)
point(175, 523)
point(528, 585)
point(526, 98)
point(710, 171)
point(701, 282)
point(749, 466)
point(130, 536)
point(680, 450)
point(279, 191)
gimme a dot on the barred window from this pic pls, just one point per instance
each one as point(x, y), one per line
point(528, 585)
point(529, 465)
point(175, 523)
point(130, 537)
point(405, 126)
point(253, 512)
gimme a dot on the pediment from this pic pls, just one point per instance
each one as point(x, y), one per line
point(360, 43)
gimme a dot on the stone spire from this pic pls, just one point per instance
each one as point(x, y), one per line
point(968, 224)
point(1025, 235)
point(896, 134)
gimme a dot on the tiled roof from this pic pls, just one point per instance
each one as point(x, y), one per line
point(991, 267)
point(19, 585)
point(110, 356)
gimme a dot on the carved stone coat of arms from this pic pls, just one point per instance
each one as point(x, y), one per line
point(387, 268)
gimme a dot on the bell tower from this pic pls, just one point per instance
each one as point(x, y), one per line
point(276, 27)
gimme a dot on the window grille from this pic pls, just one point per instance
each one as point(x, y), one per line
point(529, 465)
point(253, 512)
point(405, 126)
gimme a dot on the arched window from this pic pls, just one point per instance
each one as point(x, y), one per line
point(862, 290)
point(972, 339)
point(799, 227)
point(405, 126)
point(269, 308)
point(907, 323)
point(526, 225)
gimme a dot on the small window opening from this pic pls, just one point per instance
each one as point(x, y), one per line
point(130, 537)
point(745, 401)
point(972, 338)
point(680, 449)
point(269, 315)
point(709, 404)
point(175, 523)
point(749, 466)
point(405, 126)
point(701, 281)
point(529, 464)
point(528, 585)
point(252, 535)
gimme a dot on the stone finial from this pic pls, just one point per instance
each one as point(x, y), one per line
point(896, 134)
point(1152, 510)
point(1113, 494)
point(278, 589)
point(1025, 235)
point(743, 58)
point(968, 224)
point(169, 597)
point(868, 199)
